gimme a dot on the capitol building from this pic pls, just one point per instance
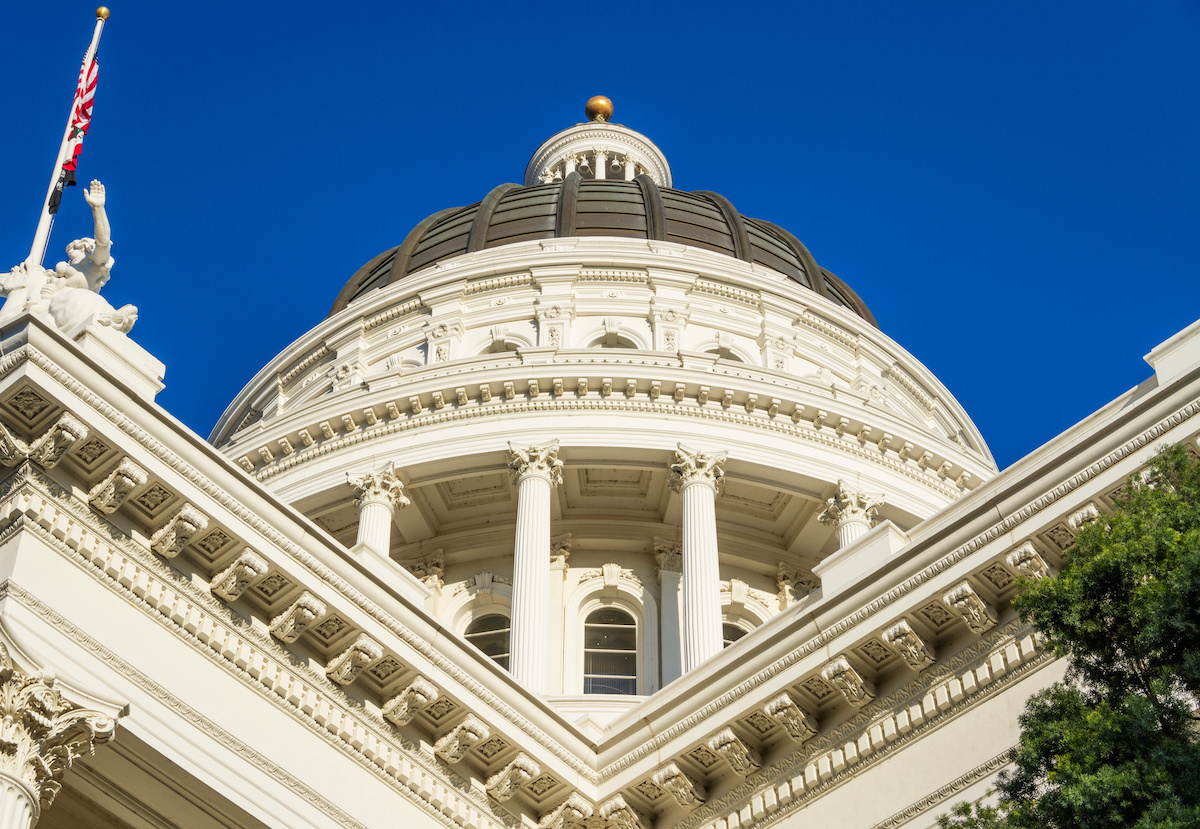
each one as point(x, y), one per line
point(592, 504)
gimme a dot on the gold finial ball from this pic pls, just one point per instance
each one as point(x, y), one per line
point(102, 13)
point(599, 108)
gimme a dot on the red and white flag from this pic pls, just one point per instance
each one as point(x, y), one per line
point(81, 119)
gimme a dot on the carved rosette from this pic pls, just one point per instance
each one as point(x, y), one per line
point(41, 734)
point(1027, 561)
point(109, 494)
point(289, 625)
point(978, 614)
point(800, 725)
point(173, 536)
point(232, 582)
point(346, 666)
point(469, 732)
point(418, 694)
point(692, 466)
point(380, 486)
point(571, 811)
point(680, 785)
point(541, 461)
point(505, 783)
point(911, 646)
point(852, 511)
point(857, 690)
point(741, 758)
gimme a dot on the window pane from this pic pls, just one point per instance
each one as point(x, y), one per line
point(622, 663)
point(491, 635)
point(731, 633)
point(611, 638)
point(609, 616)
point(610, 652)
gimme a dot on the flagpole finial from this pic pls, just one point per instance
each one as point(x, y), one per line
point(102, 13)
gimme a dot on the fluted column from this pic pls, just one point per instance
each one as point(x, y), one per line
point(667, 554)
point(535, 470)
point(41, 734)
point(378, 494)
point(698, 477)
point(852, 511)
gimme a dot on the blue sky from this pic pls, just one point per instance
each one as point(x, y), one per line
point(1013, 188)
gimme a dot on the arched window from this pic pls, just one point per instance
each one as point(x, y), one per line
point(609, 652)
point(490, 634)
point(731, 633)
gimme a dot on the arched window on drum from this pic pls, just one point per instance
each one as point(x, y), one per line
point(610, 653)
point(491, 635)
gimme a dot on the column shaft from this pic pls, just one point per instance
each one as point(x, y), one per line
point(529, 642)
point(375, 525)
point(18, 806)
point(701, 574)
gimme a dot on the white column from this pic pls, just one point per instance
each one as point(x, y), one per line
point(18, 805)
point(601, 164)
point(698, 477)
point(852, 511)
point(378, 494)
point(43, 735)
point(667, 553)
point(535, 471)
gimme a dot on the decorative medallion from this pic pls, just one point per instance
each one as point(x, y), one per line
point(331, 627)
point(491, 748)
point(936, 614)
point(998, 576)
point(441, 708)
point(704, 756)
point(212, 543)
point(28, 403)
point(272, 584)
point(818, 687)
point(760, 722)
point(876, 651)
point(153, 498)
point(384, 668)
point(91, 451)
point(540, 785)
point(648, 790)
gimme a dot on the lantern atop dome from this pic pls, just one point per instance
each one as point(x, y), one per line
point(598, 149)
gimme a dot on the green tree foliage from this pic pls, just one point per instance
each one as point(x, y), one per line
point(1118, 743)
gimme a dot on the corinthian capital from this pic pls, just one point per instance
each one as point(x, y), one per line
point(535, 460)
point(41, 734)
point(692, 465)
point(378, 485)
point(850, 504)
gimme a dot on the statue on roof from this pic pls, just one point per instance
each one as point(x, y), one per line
point(69, 295)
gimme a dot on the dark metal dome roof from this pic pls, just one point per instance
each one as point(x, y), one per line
point(638, 209)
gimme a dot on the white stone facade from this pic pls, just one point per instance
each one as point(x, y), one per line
point(616, 447)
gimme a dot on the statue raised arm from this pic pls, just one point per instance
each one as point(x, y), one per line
point(70, 294)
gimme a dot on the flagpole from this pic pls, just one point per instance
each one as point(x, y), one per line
point(37, 252)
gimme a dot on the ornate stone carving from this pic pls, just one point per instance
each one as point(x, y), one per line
point(41, 734)
point(46, 450)
point(291, 623)
point(69, 295)
point(680, 785)
point(560, 549)
point(857, 690)
point(454, 746)
point(619, 814)
point(1086, 514)
point(571, 811)
point(742, 758)
point(109, 494)
point(668, 555)
point(418, 694)
point(800, 725)
point(378, 485)
point(792, 585)
point(1027, 561)
point(232, 582)
point(910, 645)
point(693, 465)
point(535, 460)
point(978, 614)
point(430, 569)
point(346, 666)
point(520, 770)
point(850, 505)
point(172, 537)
